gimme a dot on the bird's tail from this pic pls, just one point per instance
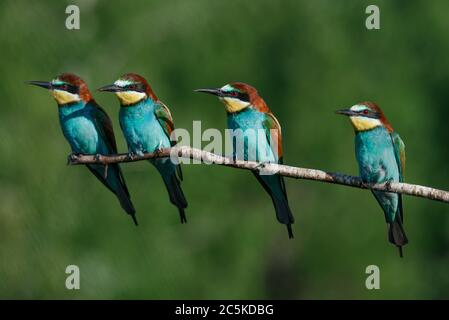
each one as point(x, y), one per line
point(396, 234)
point(176, 195)
point(113, 179)
point(284, 213)
point(126, 203)
point(274, 185)
point(168, 171)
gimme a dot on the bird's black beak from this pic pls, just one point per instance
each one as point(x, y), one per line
point(111, 88)
point(214, 91)
point(42, 84)
point(345, 112)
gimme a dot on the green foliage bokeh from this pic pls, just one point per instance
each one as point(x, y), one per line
point(307, 59)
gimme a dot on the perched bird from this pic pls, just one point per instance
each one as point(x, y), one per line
point(147, 125)
point(247, 111)
point(88, 129)
point(380, 154)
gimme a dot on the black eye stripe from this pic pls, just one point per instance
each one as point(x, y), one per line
point(238, 95)
point(244, 97)
point(67, 87)
point(369, 113)
point(135, 87)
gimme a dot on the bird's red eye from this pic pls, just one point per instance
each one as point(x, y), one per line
point(133, 87)
point(64, 87)
point(234, 94)
point(365, 111)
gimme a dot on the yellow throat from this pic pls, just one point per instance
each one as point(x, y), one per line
point(234, 105)
point(363, 123)
point(130, 97)
point(64, 97)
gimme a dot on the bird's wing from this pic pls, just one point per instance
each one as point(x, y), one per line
point(273, 134)
point(399, 152)
point(103, 125)
point(165, 119)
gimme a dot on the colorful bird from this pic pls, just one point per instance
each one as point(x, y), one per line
point(260, 139)
point(380, 154)
point(147, 124)
point(88, 129)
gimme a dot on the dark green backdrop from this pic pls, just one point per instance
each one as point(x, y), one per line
point(307, 58)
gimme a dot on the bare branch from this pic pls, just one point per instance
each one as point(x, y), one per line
point(269, 168)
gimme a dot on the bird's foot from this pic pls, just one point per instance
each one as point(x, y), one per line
point(366, 185)
point(72, 157)
point(157, 152)
point(131, 156)
point(97, 157)
point(388, 184)
point(262, 168)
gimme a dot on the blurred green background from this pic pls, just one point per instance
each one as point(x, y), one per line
point(307, 59)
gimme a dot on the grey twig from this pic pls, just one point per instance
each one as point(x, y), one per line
point(268, 168)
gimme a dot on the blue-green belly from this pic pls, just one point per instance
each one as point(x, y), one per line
point(249, 139)
point(377, 164)
point(79, 130)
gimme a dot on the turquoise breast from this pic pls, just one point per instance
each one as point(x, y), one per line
point(377, 164)
point(79, 129)
point(141, 128)
point(375, 155)
point(250, 142)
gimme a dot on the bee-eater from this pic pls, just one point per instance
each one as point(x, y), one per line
point(147, 124)
point(380, 153)
point(246, 110)
point(88, 129)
